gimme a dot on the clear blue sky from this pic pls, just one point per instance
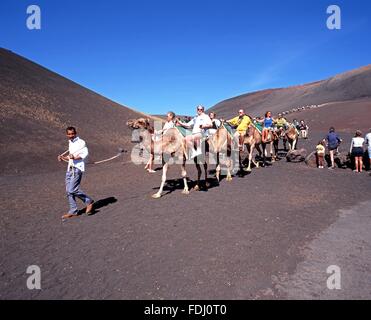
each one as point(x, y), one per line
point(157, 55)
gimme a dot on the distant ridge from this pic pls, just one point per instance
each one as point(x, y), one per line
point(348, 86)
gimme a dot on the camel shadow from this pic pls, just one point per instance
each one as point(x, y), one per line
point(100, 204)
point(177, 184)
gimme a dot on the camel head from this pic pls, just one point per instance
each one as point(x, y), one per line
point(141, 127)
point(141, 123)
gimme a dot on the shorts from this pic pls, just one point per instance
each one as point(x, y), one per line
point(357, 152)
point(332, 148)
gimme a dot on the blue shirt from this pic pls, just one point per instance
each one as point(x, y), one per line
point(333, 140)
point(268, 122)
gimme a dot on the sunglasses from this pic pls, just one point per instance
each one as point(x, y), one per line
point(200, 109)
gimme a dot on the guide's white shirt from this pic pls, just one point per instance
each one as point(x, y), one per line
point(196, 122)
point(77, 147)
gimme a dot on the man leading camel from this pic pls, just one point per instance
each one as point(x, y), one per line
point(78, 153)
point(242, 122)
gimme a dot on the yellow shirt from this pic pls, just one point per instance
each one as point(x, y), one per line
point(320, 149)
point(242, 124)
point(281, 122)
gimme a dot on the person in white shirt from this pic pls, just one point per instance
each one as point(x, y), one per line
point(216, 124)
point(368, 143)
point(199, 124)
point(169, 124)
point(78, 153)
point(356, 150)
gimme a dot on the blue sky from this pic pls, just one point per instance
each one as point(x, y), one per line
point(163, 55)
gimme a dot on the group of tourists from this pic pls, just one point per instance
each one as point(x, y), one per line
point(203, 126)
point(302, 127)
point(357, 149)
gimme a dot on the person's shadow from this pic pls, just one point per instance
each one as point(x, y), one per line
point(100, 204)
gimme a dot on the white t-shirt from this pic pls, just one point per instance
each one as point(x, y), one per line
point(78, 148)
point(212, 131)
point(202, 119)
point(168, 125)
point(357, 142)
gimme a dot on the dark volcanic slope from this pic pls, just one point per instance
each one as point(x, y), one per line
point(343, 87)
point(346, 116)
point(35, 107)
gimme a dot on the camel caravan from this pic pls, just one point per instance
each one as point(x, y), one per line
point(205, 140)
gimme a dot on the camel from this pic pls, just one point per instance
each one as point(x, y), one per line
point(253, 139)
point(170, 146)
point(281, 133)
point(221, 143)
point(292, 137)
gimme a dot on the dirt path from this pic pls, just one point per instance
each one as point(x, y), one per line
point(232, 242)
point(345, 244)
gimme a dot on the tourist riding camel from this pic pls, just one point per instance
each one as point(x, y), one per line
point(169, 124)
point(215, 122)
point(241, 123)
point(281, 122)
point(281, 125)
point(296, 124)
point(267, 125)
point(303, 128)
point(199, 125)
point(172, 145)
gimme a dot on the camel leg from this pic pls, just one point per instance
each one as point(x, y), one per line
point(264, 153)
point(217, 169)
point(164, 171)
point(229, 169)
point(207, 184)
point(184, 175)
point(199, 173)
point(250, 149)
point(275, 147)
point(229, 160)
point(271, 151)
point(294, 144)
point(257, 147)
